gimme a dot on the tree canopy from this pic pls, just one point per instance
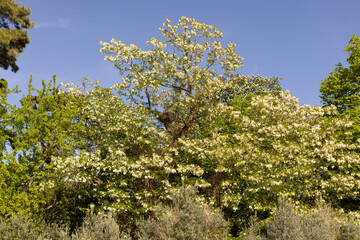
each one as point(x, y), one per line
point(14, 20)
point(181, 114)
point(342, 87)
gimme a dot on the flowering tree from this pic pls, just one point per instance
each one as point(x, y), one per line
point(180, 78)
point(167, 124)
point(268, 148)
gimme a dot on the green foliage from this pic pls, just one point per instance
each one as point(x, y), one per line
point(14, 20)
point(116, 172)
point(5, 134)
point(243, 150)
point(180, 116)
point(342, 87)
point(180, 78)
point(47, 125)
point(284, 151)
point(253, 86)
point(184, 219)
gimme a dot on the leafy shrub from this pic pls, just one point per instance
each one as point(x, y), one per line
point(98, 226)
point(350, 230)
point(55, 231)
point(18, 227)
point(184, 219)
point(286, 224)
point(94, 227)
point(253, 232)
point(319, 224)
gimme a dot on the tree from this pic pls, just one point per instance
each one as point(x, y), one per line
point(122, 171)
point(175, 127)
point(179, 79)
point(13, 39)
point(342, 87)
point(14, 21)
point(251, 154)
point(168, 89)
point(46, 125)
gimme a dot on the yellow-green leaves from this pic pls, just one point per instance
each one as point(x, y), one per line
point(48, 124)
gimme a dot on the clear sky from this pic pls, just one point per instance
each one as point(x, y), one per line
point(299, 41)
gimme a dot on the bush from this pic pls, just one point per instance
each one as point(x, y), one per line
point(98, 226)
point(184, 219)
point(319, 224)
point(350, 230)
point(54, 232)
point(253, 232)
point(94, 227)
point(18, 227)
point(286, 224)
point(187, 219)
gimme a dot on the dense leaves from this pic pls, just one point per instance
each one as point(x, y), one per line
point(342, 87)
point(48, 124)
point(180, 115)
point(242, 151)
point(14, 20)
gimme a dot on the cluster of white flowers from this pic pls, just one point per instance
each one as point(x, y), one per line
point(172, 129)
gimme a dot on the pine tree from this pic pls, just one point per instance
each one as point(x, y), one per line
point(14, 20)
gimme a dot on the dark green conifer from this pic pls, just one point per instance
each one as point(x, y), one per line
point(14, 20)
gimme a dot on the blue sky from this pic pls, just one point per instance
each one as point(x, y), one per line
point(299, 41)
